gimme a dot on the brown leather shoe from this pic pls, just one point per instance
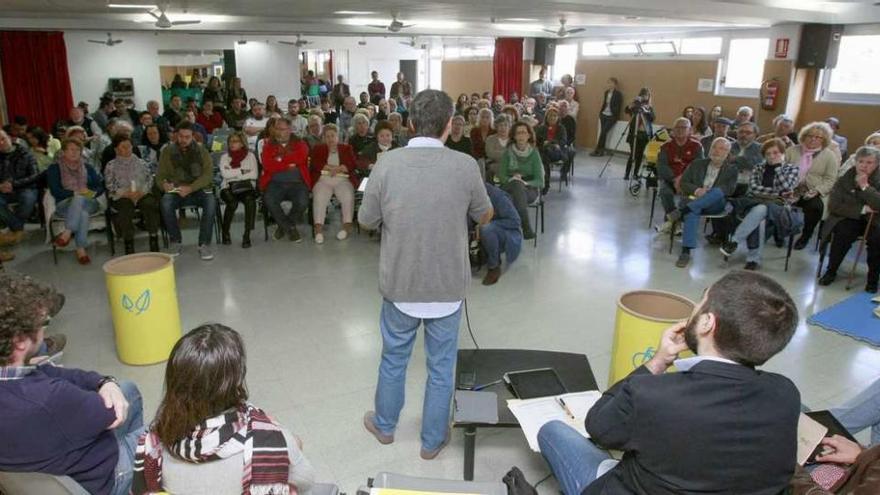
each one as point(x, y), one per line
point(370, 425)
point(492, 276)
point(11, 238)
point(430, 454)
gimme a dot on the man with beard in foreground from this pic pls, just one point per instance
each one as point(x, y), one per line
point(718, 425)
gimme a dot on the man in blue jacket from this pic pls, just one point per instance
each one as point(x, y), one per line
point(60, 421)
point(502, 234)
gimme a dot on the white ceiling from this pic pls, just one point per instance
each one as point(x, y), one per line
point(441, 17)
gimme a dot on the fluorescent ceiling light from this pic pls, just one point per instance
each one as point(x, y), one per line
point(519, 27)
point(354, 12)
point(519, 19)
point(657, 47)
point(131, 6)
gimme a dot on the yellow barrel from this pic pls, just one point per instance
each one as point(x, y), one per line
point(143, 302)
point(642, 316)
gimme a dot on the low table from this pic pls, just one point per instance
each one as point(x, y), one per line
point(489, 365)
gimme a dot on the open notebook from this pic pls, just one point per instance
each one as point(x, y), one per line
point(532, 414)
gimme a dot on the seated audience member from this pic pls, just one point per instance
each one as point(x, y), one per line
point(482, 132)
point(383, 112)
point(854, 196)
point(240, 171)
point(88, 152)
point(873, 141)
point(18, 185)
point(346, 114)
point(214, 93)
point(236, 91)
point(333, 167)
point(207, 437)
point(842, 142)
point(817, 165)
point(471, 119)
point(254, 125)
point(369, 155)
point(540, 107)
point(75, 185)
point(124, 111)
point(529, 105)
point(272, 106)
point(718, 425)
point(475, 98)
point(104, 149)
point(364, 100)
point(511, 111)
point(175, 111)
point(745, 154)
point(514, 98)
point(720, 128)
point(770, 187)
point(236, 114)
point(498, 104)
point(298, 122)
point(359, 136)
point(38, 141)
point(521, 173)
point(570, 125)
point(496, 147)
point(314, 131)
point(783, 128)
point(716, 112)
point(743, 114)
point(640, 130)
point(265, 136)
point(462, 104)
point(700, 126)
point(285, 177)
point(199, 132)
point(688, 113)
point(501, 235)
point(144, 119)
point(457, 140)
point(158, 119)
point(573, 105)
point(331, 116)
point(151, 147)
point(209, 119)
point(129, 186)
point(674, 158)
point(705, 186)
point(484, 103)
point(186, 178)
point(58, 420)
point(551, 138)
point(79, 118)
point(102, 115)
point(400, 131)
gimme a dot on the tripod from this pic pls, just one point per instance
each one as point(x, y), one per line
point(632, 126)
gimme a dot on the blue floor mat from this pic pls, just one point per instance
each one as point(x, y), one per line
point(854, 317)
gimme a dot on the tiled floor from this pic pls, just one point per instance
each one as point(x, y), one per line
point(309, 315)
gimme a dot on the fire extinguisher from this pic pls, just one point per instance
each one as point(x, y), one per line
point(769, 94)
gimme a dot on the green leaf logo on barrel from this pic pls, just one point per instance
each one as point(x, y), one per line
point(641, 358)
point(137, 307)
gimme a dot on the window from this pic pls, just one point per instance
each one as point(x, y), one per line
point(700, 46)
point(594, 49)
point(566, 58)
point(854, 79)
point(744, 67)
point(657, 48)
point(623, 48)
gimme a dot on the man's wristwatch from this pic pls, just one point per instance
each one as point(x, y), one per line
point(104, 381)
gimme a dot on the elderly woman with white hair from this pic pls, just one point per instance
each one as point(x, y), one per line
point(314, 130)
point(783, 128)
point(400, 132)
point(359, 136)
point(481, 132)
point(873, 141)
point(496, 146)
point(573, 105)
point(817, 171)
point(853, 197)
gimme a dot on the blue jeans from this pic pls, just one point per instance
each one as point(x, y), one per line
point(862, 411)
point(573, 459)
point(441, 345)
point(26, 200)
point(171, 202)
point(127, 437)
point(752, 224)
point(493, 240)
point(76, 211)
point(711, 203)
point(295, 192)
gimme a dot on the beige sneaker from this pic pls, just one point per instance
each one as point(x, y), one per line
point(342, 235)
point(370, 425)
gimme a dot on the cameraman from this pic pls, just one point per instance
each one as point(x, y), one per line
point(640, 130)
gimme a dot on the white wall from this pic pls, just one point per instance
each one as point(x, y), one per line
point(268, 68)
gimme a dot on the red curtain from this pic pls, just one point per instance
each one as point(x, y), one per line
point(507, 67)
point(35, 77)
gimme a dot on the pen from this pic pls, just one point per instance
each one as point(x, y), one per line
point(486, 385)
point(565, 408)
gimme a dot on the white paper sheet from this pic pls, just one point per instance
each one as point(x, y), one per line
point(532, 414)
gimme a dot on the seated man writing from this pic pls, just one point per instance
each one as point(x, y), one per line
point(60, 421)
point(705, 186)
point(718, 425)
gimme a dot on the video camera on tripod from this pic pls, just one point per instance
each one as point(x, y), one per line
point(641, 104)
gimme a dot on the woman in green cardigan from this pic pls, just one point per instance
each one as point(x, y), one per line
point(521, 173)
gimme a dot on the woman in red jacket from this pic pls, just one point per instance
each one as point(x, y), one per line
point(285, 177)
point(332, 168)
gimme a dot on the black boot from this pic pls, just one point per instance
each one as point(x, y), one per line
point(246, 240)
point(227, 240)
point(129, 246)
point(154, 243)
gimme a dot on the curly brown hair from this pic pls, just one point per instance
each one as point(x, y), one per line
point(24, 305)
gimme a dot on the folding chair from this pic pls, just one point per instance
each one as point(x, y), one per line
point(97, 221)
point(704, 218)
point(823, 249)
point(538, 205)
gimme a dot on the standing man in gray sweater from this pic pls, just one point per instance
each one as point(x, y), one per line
point(422, 197)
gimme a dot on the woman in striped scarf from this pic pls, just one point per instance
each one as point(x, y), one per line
point(207, 438)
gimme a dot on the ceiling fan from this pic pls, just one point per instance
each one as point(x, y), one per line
point(411, 43)
point(163, 22)
point(298, 43)
point(395, 25)
point(562, 32)
point(109, 41)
